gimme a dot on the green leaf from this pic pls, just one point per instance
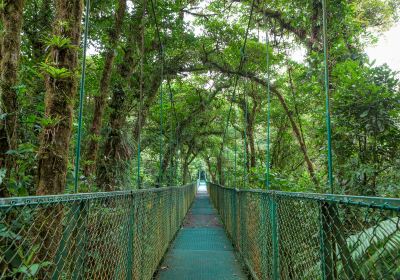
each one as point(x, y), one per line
point(364, 114)
point(3, 173)
point(54, 72)
point(7, 233)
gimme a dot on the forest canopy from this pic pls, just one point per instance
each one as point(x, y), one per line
point(159, 87)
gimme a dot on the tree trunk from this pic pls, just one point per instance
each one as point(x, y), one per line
point(209, 167)
point(221, 178)
point(100, 100)
point(185, 172)
point(252, 146)
point(297, 133)
point(60, 94)
point(115, 152)
point(151, 94)
point(250, 130)
point(12, 18)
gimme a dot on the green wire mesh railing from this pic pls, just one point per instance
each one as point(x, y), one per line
point(282, 235)
point(116, 235)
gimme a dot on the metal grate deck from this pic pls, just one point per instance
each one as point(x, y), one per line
point(201, 251)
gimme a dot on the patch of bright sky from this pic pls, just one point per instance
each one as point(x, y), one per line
point(387, 49)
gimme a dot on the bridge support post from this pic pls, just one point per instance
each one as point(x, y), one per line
point(262, 235)
point(242, 223)
point(332, 243)
point(275, 236)
point(76, 226)
point(131, 236)
point(326, 242)
point(81, 222)
point(234, 218)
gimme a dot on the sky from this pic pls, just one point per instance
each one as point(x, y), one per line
point(387, 50)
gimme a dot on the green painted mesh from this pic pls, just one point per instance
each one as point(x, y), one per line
point(309, 236)
point(117, 235)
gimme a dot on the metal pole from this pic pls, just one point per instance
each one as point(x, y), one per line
point(327, 105)
point(81, 99)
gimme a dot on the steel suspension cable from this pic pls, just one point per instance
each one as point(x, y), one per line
point(267, 175)
point(327, 105)
point(245, 160)
point(161, 175)
point(81, 98)
point(241, 64)
point(235, 182)
point(162, 55)
point(172, 102)
point(141, 86)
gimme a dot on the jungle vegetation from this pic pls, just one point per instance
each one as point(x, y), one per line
point(161, 73)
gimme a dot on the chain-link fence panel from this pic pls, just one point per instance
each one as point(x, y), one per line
point(282, 235)
point(116, 235)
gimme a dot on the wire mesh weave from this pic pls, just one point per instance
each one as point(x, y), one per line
point(283, 235)
point(116, 235)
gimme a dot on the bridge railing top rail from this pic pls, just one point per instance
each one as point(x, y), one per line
point(63, 198)
point(362, 201)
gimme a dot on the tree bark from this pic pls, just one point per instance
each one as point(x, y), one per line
point(150, 93)
point(12, 18)
point(297, 133)
point(59, 99)
point(100, 100)
point(209, 167)
point(115, 151)
point(221, 178)
point(251, 114)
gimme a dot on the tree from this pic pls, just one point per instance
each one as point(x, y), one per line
point(61, 86)
point(100, 99)
point(10, 45)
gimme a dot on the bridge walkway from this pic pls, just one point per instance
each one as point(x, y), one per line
point(201, 250)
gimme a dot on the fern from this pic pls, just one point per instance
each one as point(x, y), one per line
point(372, 247)
point(59, 42)
point(54, 72)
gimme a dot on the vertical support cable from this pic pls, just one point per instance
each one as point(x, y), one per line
point(171, 146)
point(140, 97)
point(267, 182)
point(161, 117)
point(241, 64)
point(81, 99)
point(234, 177)
point(227, 167)
point(174, 143)
point(327, 105)
point(245, 177)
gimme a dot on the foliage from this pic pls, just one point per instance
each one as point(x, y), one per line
point(202, 43)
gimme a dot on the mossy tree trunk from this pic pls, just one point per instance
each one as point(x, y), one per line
point(112, 164)
point(10, 44)
point(100, 99)
point(59, 99)
point(115, 152)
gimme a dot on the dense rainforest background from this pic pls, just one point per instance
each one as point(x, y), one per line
point(160, 75)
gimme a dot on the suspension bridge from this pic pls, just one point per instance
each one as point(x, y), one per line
point(179, 233)
point(198, 232)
